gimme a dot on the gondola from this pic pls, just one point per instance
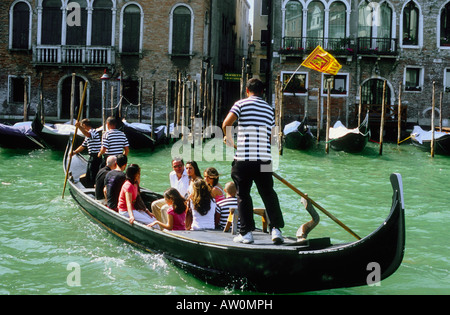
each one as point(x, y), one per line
point(55, 136)
point(139, 135)
point(349, 140)
point(20, 136)
point(297, 135)
point(295, 266)
point(422, 139)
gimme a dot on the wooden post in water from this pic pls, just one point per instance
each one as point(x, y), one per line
point(319, 98)
point(399, 115)
point(112, 100)
point(440, 111)
point(41, 98)
point(179, 94)
point(168, 97)
point(383, 105)
point(72, 99)
point(327, 139)
point(212, 96)
point(25, 100)
point(360, 106)
point(432, 119)
point(121, 93)
point(140, 101)
point(152, 123)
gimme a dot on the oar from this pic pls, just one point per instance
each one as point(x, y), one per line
point(332, 217)
point(80, 111)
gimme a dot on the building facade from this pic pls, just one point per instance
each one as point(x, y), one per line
point(404, 44)
point(120, 48)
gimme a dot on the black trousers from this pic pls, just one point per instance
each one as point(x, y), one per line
point(244, 173)
point(93, 166)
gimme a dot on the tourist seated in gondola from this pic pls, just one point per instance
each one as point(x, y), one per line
point(211, 176)
point(224, 206)
point(114, 180)
point(202, 207)
point(176, 214)
point(111, 163)
point(128, 196)
point(179, 180)
point(193, 173)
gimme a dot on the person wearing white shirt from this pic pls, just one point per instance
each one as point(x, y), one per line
point(178, 180)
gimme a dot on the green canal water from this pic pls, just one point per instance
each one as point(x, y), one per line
point(42, 236)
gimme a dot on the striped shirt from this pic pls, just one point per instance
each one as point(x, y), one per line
point(114, 141)
point(93, 143)
point(256, 118)
point(223, 207)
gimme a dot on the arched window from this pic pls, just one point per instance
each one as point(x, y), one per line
point(375, 27)
point(315, 24)
point(181, 31)
point(445, 25)
point(293, 25)
point(76, 34)
point(410, 24)
point(102, 23)
point(51, 22)
point(20, 26)
point(131, 32)
point(337, 20)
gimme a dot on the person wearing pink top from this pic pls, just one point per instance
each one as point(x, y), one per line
point(128, 195)
point(176, 214)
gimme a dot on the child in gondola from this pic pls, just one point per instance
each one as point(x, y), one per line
point(176, 215)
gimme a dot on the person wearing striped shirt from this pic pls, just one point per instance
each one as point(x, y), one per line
point(224, 205)
point(114, 141)
point(253, 160)
point(93, 143)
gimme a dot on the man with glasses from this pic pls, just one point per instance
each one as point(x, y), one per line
point(178, 180)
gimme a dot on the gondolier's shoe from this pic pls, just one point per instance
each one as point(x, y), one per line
point(277, 238)
point(247, 238)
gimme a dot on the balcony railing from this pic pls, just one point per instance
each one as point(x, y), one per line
point(297, 46)
point(73, 55)
point(377, 46)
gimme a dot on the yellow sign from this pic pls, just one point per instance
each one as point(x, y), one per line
point(232, 77)
point(322, 61)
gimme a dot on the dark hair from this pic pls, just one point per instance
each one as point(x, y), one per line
point(86, 122)
point(255, 86)
point(132, 171)
point(179, 205)
point(122, 160)
point(196, 169)
point(201, 197)
point(112, 121)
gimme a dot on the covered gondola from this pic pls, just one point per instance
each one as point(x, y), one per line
point(20, 136)
point(139, 135)
point(55, 136)
point(294, 266)
point(422, 139)
point(297, 135)
point(349, 140)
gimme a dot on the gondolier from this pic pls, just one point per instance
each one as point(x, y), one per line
point(252, 162)
point(114, 141)
point(93, 143)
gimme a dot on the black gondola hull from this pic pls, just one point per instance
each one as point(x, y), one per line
point(213, 257)
point(15, 137)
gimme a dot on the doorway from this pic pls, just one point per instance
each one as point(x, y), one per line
point(64, 111)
